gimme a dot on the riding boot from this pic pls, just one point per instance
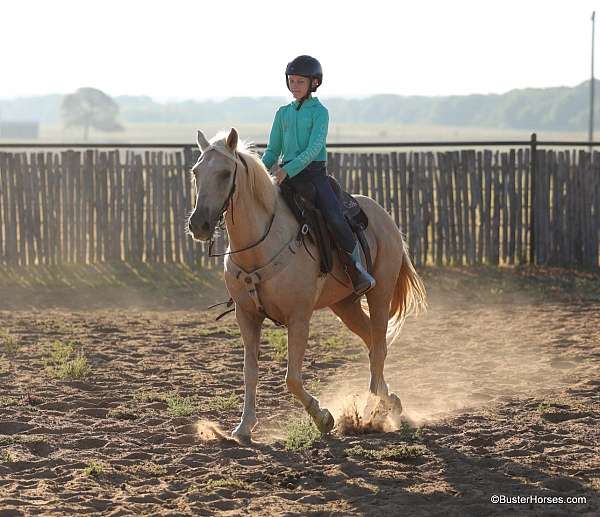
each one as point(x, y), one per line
point(361, 280)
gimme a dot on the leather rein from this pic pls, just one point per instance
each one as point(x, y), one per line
point(221, 221)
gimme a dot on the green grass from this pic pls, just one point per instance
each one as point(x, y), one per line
point(277, 338)
point(7, 457)
point(409, 433)
point(149, 396)
point(147, 468)
point(543, 407)
point(301, 434)
point(392, 452)
point(7, 400)
point(333, 343)
point(123, 413)
point(8, 342)
point(176, 404)
point(67, 361)
point(223, 403)
point(94, 469)
point(180, 406)
point(314, 386)
point(226, 483)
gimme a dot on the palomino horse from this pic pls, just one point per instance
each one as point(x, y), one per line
point(268, 273)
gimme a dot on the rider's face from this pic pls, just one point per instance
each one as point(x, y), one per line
point(298, 85)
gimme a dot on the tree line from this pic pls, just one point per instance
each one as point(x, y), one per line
point(559, 108)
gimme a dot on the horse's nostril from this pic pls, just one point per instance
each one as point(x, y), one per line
point(205, 227)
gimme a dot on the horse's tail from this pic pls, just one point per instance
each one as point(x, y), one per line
point(409, 296)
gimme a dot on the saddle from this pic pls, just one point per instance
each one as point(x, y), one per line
point(302, 203)
point(313, 226)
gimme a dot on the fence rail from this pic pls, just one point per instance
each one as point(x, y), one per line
point(455, 207)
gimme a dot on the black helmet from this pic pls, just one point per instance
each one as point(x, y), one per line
point(306, 66)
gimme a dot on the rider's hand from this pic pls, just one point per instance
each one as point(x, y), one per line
point(280, 175)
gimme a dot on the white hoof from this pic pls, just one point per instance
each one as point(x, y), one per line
point(241, 435)
point(394, 404)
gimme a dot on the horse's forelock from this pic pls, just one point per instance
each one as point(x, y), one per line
point(259, 181)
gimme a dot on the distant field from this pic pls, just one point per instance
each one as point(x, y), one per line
point(185, 133)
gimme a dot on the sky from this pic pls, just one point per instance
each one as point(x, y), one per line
point(197, 49)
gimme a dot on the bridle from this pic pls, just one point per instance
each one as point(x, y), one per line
point(229, 201)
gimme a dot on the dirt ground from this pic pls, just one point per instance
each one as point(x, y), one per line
point(500, 378)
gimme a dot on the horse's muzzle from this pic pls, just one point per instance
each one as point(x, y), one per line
point(201, 232)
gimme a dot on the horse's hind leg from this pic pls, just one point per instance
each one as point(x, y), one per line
point(379, 302)
point(298, 328)
point(352, 315)
point(250, 326)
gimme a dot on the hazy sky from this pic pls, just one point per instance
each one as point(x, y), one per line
point(197, 49)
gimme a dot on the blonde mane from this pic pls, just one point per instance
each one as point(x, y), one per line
point(258, 181)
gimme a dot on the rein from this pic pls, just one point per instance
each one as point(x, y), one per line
point(221, 222)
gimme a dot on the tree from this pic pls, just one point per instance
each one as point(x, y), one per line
point(90, 108)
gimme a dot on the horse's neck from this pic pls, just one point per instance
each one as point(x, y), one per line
point(247, 221)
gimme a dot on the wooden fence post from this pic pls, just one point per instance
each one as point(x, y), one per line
point(533, 200)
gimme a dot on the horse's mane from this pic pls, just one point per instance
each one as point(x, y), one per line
point(259, 181)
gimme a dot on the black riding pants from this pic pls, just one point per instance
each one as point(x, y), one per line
point(327, 202)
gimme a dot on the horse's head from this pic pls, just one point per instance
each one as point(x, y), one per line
point(214, 177)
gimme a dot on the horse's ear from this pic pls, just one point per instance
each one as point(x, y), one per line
point(232, 139)
point(201, 140)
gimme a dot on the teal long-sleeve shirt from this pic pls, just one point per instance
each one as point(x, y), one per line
point(298, 136)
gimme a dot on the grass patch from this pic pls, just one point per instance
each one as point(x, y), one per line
point(149, 396)
point(392, 452)
point(226, 483)
point(354, 357)
point(180, 406)
point(543, 407)
point(147, 468)
point(409, 433)
point(8, 342)
point(176, 404)
point(277, 338)
point(314, 386)
point(6, 401)
point(301, 433)
point(333, 343)
point(223, 403)
point(67, 362)
point(94, 469)
point(122, 413)
point(7, 457)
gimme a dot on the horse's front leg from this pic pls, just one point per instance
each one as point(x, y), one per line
point(298, 329)
point(250, 327)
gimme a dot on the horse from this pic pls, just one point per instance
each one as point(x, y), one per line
point(268, 275)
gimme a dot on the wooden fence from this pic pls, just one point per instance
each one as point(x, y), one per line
point(454, 207)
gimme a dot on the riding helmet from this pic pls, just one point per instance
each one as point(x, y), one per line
point(306, 66)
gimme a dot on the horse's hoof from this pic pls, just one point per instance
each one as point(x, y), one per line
point(241, 437)
point(394, 404)
point(324, 421)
